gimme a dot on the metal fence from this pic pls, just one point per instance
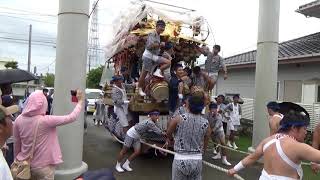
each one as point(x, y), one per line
point(313, 110)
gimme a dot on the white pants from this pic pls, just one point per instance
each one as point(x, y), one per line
point(266, 176)
point(122, 116)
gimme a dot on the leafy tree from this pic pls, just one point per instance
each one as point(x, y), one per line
point(94, 76)
point(49, 80)
point(11, 64)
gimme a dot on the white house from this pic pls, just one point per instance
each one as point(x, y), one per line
point(298, 72)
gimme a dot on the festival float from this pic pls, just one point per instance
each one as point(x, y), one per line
point(185, 29)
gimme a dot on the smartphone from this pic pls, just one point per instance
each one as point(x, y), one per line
point(74, 96)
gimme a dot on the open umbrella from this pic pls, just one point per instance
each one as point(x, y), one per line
point(285, 107)
point(8, 76)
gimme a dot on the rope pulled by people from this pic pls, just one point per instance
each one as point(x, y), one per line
point(231, 149)
point(204, 162)
point(247, 153)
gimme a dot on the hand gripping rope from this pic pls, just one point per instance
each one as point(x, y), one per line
point(247, 153)
point(173, 153)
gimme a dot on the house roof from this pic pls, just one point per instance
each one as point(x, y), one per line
point(301, 47)
point(311, 9)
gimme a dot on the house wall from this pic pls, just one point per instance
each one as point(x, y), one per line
point(2, 63)
point(243, 80)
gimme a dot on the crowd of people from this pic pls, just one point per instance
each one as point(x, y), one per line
point(191, 126)
point(194, 118)
point(189, 91)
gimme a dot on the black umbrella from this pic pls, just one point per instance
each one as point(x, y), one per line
point(285, 107)
point(8, 76)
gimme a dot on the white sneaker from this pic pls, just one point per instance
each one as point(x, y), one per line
point(214, 151)
point(118, 168)
point(126, 166)
point(158, 73)
point(234, 145)
point(141, 93)
point(100, 123)
point(96, 123)
point(229, 144)
point(225, 161)
point(218, 156)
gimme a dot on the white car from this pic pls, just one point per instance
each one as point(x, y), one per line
point(92, 95)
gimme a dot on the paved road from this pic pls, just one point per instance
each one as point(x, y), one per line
point(101, 150)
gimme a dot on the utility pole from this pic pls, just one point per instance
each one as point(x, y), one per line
point(266, 67)
point(29, 56)
point(70, 74)
point(29, 48)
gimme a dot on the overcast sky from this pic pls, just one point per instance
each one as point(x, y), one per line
point(234, 24)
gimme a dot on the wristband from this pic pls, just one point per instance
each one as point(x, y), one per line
point(238, 167)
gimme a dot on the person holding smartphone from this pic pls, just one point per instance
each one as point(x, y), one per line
point(47, 149)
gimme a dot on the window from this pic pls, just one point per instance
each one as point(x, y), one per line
point(93, 95)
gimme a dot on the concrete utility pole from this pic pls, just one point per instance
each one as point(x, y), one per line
point(70, 73)
point(29, 48)
point(266, 66)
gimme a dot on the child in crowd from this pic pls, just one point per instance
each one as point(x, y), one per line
point(234, 123)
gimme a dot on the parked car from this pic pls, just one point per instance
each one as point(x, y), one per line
point(92, 95)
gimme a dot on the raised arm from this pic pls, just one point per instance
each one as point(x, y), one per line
point(53, 121)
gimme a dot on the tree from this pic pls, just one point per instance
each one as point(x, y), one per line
point(11, 64)
point(94, 76)
point(49, 80)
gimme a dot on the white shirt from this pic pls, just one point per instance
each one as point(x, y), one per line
point(5, 173)
point(133, 133)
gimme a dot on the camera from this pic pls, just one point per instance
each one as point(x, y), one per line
point(73, 92)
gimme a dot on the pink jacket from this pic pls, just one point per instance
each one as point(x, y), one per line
point(47, 149)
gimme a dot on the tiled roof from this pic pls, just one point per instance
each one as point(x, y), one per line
point(302, 46)
point(311, 9)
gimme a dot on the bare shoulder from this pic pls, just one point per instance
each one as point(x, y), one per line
point(266, 140)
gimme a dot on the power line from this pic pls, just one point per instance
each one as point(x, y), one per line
point(39, 42)
point(35, 20)
point(28, 19)
point(170, 5)
point(30, 12)
point(18, 39)
point(25, 34)
point(47, 65)
point(94, 8)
